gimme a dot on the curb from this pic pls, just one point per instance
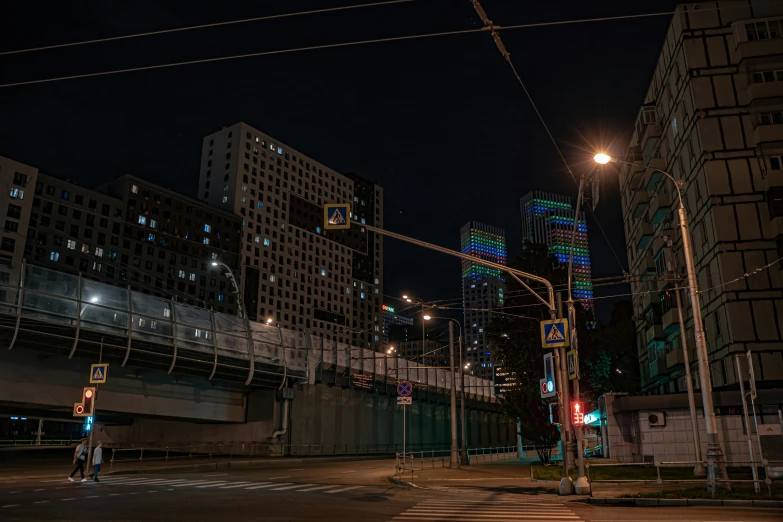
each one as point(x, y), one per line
point(682, 502)
point(405, 483)
point(239, 464)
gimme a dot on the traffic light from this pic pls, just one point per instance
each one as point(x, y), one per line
point(548, 382)
point(554, 413)
point(578, 414)
point(87, 406)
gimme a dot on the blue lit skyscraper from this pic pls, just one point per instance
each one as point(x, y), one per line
point(482, 290)
point(548, 219)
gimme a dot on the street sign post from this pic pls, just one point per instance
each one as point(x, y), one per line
point(404, 401)
point(337, 216)
point(99, 373)
point(572, 363)
point(404, 388)
point(554, 333)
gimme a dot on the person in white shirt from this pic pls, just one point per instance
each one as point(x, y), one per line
point(97, 460)
point(79, 458)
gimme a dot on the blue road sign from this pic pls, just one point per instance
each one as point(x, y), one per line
point(554, 333)
point(404, 389)
point(99, 373)
point(572, 362)
point(337, 216)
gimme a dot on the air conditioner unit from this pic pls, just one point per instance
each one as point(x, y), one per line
point(656, 418)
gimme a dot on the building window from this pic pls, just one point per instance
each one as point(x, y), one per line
point(71, 244)
point(207, 228)
point(142, 220)
point(153, 223)
point(272, 278)
point(266, 242)
point(98, 252)
point(182, 274)
point(225, 199)
point(206, 240)
point(20, 179)
point(192, 276)
point(135, 189)
point(54, 256)
point(768, 118)
point(17, 194)
point(767, 76)
point(766, 30)
point(776, 163)
point(151, 238)
point(675, 131)
point(323, 272)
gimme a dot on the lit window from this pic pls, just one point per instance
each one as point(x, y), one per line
point(214, 255)
point(244, 199)
point(192, 276)
point(347, 290)
point(225, 199)
point(266, 242)
point(220, 297)
point(135, 189)
point(71, 244)
point(206, 240)
point(257, 239)
point(17, 194)
point(98, 252)
point(182, 274)
point(96, 266)
point(272, 278)
point(376, 337)
point(166, 312)
point(361, 295)
point(244, 188)
point(260, 205)
point(279, 150)
point(85, 249)
point(225, 188)
point(317, 230)
point(363, 223)
point(153, 223)
point(323, 272)
point(481, 330)
point(151, 238)
point(142, 220)
point(207, 228)
point(112, 255)
point(54, 256)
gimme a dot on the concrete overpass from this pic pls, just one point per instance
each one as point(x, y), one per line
point(180, 373)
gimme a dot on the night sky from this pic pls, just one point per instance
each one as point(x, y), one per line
point(440, 123)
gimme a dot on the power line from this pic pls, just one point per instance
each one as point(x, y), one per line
point(326, 46)
point(202, 26)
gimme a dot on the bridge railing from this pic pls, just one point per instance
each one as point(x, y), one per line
point(148, 331)
point(419, 460)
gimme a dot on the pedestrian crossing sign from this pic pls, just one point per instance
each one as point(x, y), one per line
point(554, 333)
point(337, 216)
point(99, 373)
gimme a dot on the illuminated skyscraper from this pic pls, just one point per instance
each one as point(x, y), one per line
point(548, 219)
point(482, 290)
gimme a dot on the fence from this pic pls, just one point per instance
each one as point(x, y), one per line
point(422, 460)
point(156, 455)
point(765, 464)
point(42, 442)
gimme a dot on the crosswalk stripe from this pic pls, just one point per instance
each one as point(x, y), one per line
point(216, 484)
point(194, 483)
point(236, 485)
point(487, 511)
point(344, 489)
point(319, 487)
point(261, 486)
point(491, 509)
point(295, 486)
point(436, 516)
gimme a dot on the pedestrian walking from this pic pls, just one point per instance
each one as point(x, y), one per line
point(97, 460)
point(79, 458)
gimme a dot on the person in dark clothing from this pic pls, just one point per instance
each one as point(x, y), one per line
point(79, 458)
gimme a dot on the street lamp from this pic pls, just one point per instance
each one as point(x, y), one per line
point(455, 459)
point(714, 451)
point(234, 288)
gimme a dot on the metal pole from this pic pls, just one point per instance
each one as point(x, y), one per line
point(756, 485)
point(566, 485)
point(753, 405)
point(464, 453)
point(582, 486)
point(40, 429)
point(454, 457)
point(698, 470)
point(404, 432)
point(714, 451)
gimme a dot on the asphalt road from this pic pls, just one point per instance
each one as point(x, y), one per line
point(324, 492)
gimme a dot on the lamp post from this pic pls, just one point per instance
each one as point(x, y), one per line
point(714, 451)
point(454, 460)
point(416, 300)
point(234, 288)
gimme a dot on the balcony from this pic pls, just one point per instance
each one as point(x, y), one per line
point(658, 369)
point(768, 133)
point(639, 203)
point(748, 50)
point(670, 321)
point(675, 358)
point(763, 91)
point(650, 298)
point(664, 279)
point(644, 234)
point(651, 136)
point(660, 205)
point(647, 266)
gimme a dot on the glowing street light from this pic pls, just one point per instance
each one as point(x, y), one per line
point(269, 320)
point(602, 158)
point(427, 317)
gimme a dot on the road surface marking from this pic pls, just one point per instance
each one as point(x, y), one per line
point(134, 493)
point(115, 494)
point(235, 485)
point(11, 505)
point(215, 475)
point(274, 478)
point(295, 486)
point(14, 492)
point(55, 480)
point(37, 490)
point(262, 485)
point(41, 502)
point(216, 484)
point(92, 496)
point(64, 499)
point(344, 489)
point(344, 472)
point(153, 491)
point(296, 469)
point(194, 483)
point(319, 487)
point(268, 486)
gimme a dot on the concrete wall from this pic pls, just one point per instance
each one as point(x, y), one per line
point(332, 415)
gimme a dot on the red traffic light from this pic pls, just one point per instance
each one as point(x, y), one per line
point(79, 409)
point(578, 414)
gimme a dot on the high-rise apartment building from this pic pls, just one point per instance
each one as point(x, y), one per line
point(391, 319)
point(294, 272)
point(548, 219)
point(482, 291)
point(129, 232)
point(712, 118)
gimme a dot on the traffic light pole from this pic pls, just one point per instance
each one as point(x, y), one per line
point(566, 485)
point(94, 411)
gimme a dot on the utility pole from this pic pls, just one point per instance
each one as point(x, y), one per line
point(566, 485)
point(464, 451)
point(454, 457)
